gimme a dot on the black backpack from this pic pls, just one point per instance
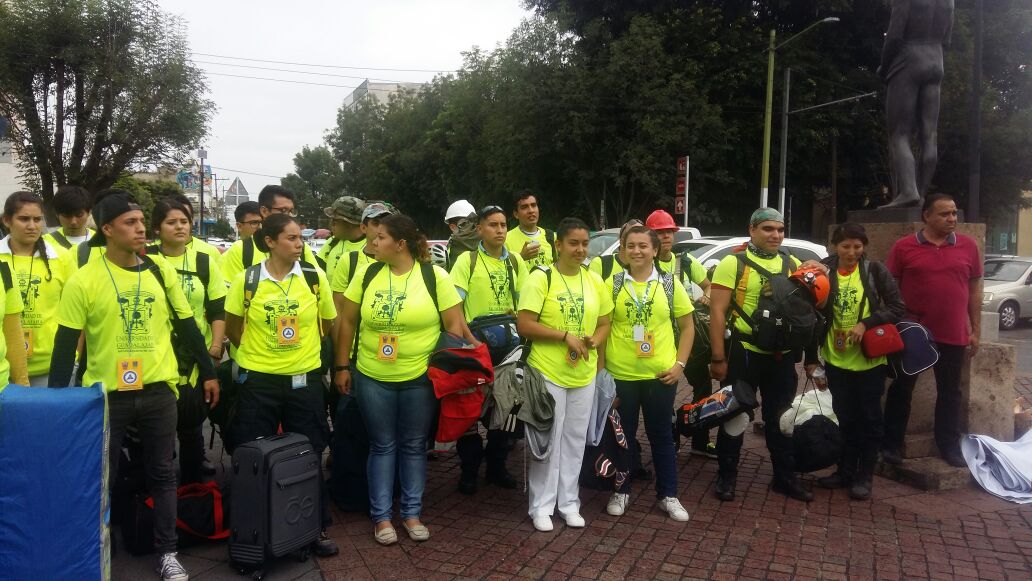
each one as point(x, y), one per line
point(185, 359)
point(785, 318)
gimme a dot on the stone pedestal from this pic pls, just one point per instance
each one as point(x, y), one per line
point(987, 379)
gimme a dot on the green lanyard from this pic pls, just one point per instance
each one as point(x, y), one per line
point(580, 317)
point(127, 322)
point(390, 294)
point(639, 306)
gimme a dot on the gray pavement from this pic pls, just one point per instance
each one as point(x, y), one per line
point(1021, 338)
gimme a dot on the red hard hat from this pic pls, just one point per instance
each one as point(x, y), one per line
point(660, 220)
point(814, 279)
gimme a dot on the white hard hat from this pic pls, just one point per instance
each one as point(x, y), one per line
point(459, 209)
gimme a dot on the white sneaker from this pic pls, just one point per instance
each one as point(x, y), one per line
point(618, 503)
point(672, 507)
point(573, 520)
point(170, 569)
point(543, 523)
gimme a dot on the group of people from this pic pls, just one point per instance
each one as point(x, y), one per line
point(150, 323)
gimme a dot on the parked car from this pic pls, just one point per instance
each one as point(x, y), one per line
point(1008, 289)
point(606, 241)
point(710, 249)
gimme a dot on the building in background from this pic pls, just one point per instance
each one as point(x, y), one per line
point(380, 92)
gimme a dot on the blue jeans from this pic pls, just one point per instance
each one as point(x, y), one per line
point(398, 416)
point(655, 399)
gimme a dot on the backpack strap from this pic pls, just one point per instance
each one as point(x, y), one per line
point(370, 273)
point(618, 282)
point(203, 264)
point(527, 343)
point(668, 289)
point(430, 280)
point(248, 252)
point(352, 264)
point(743, 262)
point(61, 239)
point(550, 239)
point(607, 265)
point(473, 256)
point(83, 254)
point(510, 273)
point(251, 278)
point(5, 276)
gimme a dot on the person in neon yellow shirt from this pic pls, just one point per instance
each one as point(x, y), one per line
point(205, 291)
point(278, 333)
point(646, 359)
point(127, 305)
point(346, 225)
point(399, 328)
point(774, 374)
point(565, 311)
point(534, 244)
point(39, 276)
point(491, 289)
point(72, 205)
point(863, 295)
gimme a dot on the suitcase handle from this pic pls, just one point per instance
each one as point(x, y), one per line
point(295, 479)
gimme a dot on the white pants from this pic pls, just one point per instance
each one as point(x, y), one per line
point(556, 479)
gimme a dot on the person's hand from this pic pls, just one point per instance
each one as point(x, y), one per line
point(211, 392)
point(820, 381)
point(810, 368)
point(529, 251)
point(718, 370)
point(670, 376)
point(973, 343)
point(702, 300)
point(856, 334)
point(579, 345)
point(815, 264)
point(616, 403)
point(342, 379)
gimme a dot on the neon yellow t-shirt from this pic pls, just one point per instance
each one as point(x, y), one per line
point(845, 309)
point(265, 345)
point(667, 266)
point(125, 315)
point(342, 276)
point(696, 272)
point(487, 292)
point(41, 295)
point(335, 248)
point(643, 303)
point(596, 266)
point(399, 306)
point(193, 287)
point(49, 237)
point(516, 238)
point(232, 262)
point(199, 245)
point(747, 291)
point(12, 305)
point(573, 304)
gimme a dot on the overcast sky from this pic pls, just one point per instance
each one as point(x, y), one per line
point(260, 124)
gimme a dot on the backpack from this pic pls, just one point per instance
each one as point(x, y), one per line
point(785, 318)
point(429, 280)
point(61, 239)
point(83, 254)
point(182, 349)
point(608, 263)
point(665, 279)
point(5, 276)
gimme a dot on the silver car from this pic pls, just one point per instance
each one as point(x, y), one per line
point(1008, 289)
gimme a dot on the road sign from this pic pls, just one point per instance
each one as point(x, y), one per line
point(682, 164)
point(679, 205)
point(680, 185)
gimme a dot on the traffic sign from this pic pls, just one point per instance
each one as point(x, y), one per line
point(682, 164)
point(679, 205)
point(681, 184)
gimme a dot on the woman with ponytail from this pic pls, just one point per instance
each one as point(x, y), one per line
point(39, 277)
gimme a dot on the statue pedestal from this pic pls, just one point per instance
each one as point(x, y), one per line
point(987, 383)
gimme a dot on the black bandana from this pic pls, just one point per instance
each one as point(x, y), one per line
point(761, 253)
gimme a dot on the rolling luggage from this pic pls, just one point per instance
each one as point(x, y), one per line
point(276, 500)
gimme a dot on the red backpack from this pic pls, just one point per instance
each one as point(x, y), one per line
point(458, 372)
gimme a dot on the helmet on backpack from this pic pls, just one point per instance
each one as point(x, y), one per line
point(816, 281)
point(439, 255)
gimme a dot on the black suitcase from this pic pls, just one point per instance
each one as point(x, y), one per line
point(276, 500)
point(349, 487)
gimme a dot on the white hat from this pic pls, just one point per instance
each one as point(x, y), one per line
point(459, 209)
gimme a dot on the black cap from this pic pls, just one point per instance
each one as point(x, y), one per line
point(109, 207)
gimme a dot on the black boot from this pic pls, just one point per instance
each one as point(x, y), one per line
point(791, 488)
point(728, 450)
point(468, 483)
point(836, 480)
point(846, 472)
point(861, 488)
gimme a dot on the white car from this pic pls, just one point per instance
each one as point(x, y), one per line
point(605, 242)
point(710, 249)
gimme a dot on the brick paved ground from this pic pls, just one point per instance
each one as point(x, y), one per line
point(901, 534)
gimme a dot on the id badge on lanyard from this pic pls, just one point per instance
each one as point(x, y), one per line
point(645, 347)
point(286, 331)
point(388, 347)
point(27, 337)
point(130, 373)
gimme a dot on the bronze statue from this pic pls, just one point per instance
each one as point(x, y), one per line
point(911, 65)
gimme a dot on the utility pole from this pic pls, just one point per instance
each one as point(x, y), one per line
point(202, 154)
point(784, 141)
point(975, 124)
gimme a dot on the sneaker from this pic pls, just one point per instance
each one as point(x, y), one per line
point(543, 523)
point(672, 507)
point(324, 546)
point(573, 520)
point(170, 569)
point(618, 503)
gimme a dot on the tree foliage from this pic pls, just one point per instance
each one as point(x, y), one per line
point(590, 102)
point(95, 87)
point(317, 180)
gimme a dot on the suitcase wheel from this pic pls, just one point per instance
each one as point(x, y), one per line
point(304, 554)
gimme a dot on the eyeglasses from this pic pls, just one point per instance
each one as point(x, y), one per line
point(289, 211)
point(252, 223)
point(488, 210)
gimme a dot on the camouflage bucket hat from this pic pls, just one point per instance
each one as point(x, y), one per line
point(346, 208)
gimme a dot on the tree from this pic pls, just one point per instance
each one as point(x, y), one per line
point(222, 229)
point(94, 87)
point(317, 180)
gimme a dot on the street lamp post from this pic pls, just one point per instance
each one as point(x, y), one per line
point(768, 110)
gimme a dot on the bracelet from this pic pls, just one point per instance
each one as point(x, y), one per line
point(681, 363)
point(338, 368)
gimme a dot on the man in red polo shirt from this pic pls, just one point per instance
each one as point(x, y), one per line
point(940, 275)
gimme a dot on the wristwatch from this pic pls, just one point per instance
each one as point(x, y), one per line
point(337, 368)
